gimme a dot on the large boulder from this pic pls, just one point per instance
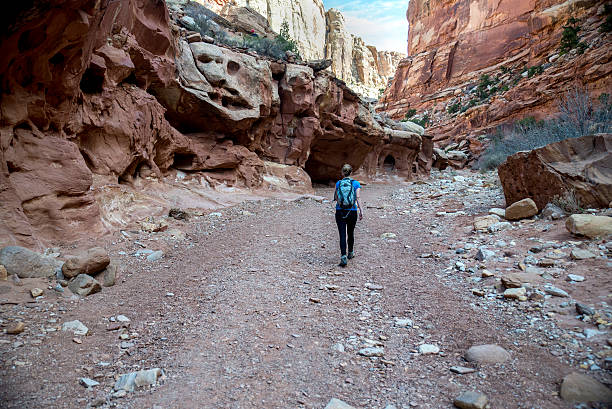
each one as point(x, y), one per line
point(589, 225)
point(578, 165)
point(89, 262)
point(577, 387)
point(27, 263)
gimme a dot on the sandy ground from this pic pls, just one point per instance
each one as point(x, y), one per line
point(248, 309)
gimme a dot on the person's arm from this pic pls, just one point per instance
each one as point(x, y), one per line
point(358, 204)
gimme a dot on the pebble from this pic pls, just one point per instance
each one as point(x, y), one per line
point(426, 349)
point(484, 254)
point(554, 291)
point(575, 277)
point(36, 292)
point(155, 256)
point(462, 370)
point(372, 351)
point(126, 345)
point(16, 328)
point(403, 322)
point(373, 287)
point(129, 381)
point(122, 318)
point(471, 400)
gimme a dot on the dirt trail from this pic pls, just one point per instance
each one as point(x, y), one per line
point(251, 311)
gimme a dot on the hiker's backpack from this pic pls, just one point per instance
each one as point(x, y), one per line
point(346, 194)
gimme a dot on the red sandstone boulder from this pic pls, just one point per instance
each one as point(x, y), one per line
point(578, 165)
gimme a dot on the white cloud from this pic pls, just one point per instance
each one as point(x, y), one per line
point(380, 23)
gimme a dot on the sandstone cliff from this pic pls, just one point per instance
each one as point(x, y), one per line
point(514, 44)
point(108, 115)
point(365, 69)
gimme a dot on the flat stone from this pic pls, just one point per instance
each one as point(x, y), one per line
point(575, 277)
point(515, 293)
point(577, 387)
point(76, 327)
point(26, 263)
point(374, 287)
point(591, 333)
point(388, 236)
point(462, 370)
point(482, 223)
point(427, 349)
point(156, 255)
point(580, 254)
point(88, 383)
point(128, 382)
point(338, 404)
point(487, 354)
point(484, 254)
point(372, 351)
point(554, 291)
point(471, 400)
point(521, 210)
point(403, 322)
point(584, 309)
point(122, 318)
point(499, 226)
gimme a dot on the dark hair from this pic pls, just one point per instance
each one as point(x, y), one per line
point(346, 169)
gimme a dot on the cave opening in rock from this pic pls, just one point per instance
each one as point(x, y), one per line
point(92, 81)
point(389, 163)
point(183, 161)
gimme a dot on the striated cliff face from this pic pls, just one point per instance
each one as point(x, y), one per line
point(109, 115)
point(452, 44)
point(365, 69)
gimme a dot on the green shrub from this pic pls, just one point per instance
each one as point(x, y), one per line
point(504, 69)
point(482, 90)
point(285, 41)
point(504, 88)
point(577, 116)
point(410, 113)
point(423, 121)
point(454, 108)
point(535, 70)
point(569, 36)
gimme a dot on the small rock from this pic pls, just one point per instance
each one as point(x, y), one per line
point(84, 285)
point(178, 213)
point(338, 404)
point(373, 287)
point(554, 291)
point(122, 318)
point(580, 254)
point(589, 225)
point(127, 345)
point(76, 327)
point(521, 210)
point(193, 38)
point(89, 262)
point(484, 254)
point(591, 333)
point(498, 212)
point(388, 236)
point(16, 328)
point(36, 292)
point(427, 349)
point(584, 309)
point(109, 275)
point(487, 274)
point(482, 223)
point(487, 354)
point(147, 377)
point(462, 370)
point(372, 351)
point(577, 387)
point(471, 400)
point(552, 212)
point(499, 226)
point(515, 293)
point(3, 273)
point(575, 277)
point(156, 255)
point(88, 383)
point(403, 322)
point(338, 347)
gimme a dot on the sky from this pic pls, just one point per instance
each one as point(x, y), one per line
point(381, 23)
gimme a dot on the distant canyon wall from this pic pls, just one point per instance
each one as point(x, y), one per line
point(515, 43)
point(321, 34)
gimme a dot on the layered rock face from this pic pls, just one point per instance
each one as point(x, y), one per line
point(579, 167)
point(452, 44)
point(365, 69)
point(103, 104)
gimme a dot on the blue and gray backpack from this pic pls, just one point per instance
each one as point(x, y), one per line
point(346, 194)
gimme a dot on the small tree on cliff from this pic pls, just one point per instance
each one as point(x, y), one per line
point(285, 40)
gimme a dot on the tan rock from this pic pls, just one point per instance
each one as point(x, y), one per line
point(577, 387)
point(515, 293)
point(90, 262)
point(487, 354)
point(521, 210)
point(16, 328)
point(84, 285)
point(482, 223)
point(580, 254)
point(36, 292)
point(589, 225)
point(3, 273)
point(471, 400)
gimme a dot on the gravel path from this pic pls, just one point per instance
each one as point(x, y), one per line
point(251, 311)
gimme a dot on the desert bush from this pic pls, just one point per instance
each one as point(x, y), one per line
point(569, 202)
point(454, 108)
point(569, 38)
point(482, 90)
point(535, 70)
point(606, 27)
point(578, 115)
point(410, 113)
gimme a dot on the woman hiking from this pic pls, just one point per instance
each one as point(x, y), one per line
point(346, 197)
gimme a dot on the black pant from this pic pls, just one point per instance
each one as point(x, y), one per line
point(346, 221)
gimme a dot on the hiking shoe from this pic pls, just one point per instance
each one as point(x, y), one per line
point(343, 261)
point(351, 254)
